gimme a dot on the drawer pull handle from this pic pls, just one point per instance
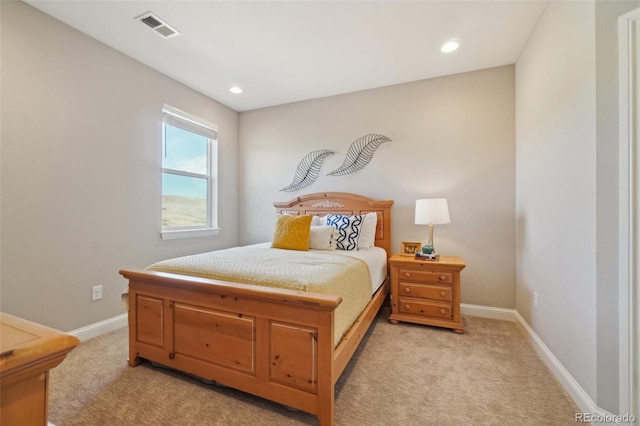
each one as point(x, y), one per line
point(442, 293)
point(442, 277)
point(442, 311)
point(407, 274)
point(407, 307)
point(407, 290)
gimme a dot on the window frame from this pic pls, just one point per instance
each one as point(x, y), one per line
point(190, 123)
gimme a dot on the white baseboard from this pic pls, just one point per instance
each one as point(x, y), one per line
point(573, 388)
point(488, 312)
point(99, 328)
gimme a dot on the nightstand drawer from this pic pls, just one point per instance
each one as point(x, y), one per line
point(425, 308)
point(434, 292)
point(426, 276)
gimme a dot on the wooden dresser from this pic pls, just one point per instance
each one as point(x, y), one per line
point(27, 352)
point(426, 292)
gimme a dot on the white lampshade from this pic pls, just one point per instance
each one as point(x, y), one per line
point(432, 211)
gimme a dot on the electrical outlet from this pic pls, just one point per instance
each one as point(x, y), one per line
point(96, 292)
point(535, 299)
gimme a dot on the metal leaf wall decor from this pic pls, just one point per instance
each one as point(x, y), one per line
point(308, 170)
point(359, 154)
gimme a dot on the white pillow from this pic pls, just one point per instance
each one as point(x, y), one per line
point(368, 234)
point(349, 228)
point(316, 221)
point(323, 238)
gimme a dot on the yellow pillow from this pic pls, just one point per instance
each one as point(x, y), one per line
point(292, 232)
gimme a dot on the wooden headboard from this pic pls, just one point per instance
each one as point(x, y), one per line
point(323, 203)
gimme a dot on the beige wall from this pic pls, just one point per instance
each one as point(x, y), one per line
point(451, 137)
point(567, 190)
point(556, 186)
point(80, 181)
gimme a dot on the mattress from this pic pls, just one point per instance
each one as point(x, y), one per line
point(375, 258)
point(352, 275)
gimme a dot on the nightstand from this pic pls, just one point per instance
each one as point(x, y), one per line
point(426, 292)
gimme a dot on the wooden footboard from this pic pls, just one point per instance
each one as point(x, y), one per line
point(273, 343)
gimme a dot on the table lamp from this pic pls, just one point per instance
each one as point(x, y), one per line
point(432, 211)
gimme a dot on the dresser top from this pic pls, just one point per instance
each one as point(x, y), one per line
point(24, 342)
point(444, 262)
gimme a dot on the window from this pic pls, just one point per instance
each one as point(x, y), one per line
point(189, 166)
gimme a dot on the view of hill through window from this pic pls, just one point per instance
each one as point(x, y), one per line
point(184, 178)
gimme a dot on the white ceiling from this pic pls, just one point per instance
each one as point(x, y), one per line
point(288, 51)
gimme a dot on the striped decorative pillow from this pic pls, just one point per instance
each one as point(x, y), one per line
point(349, 228)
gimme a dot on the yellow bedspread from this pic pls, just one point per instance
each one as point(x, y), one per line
point(313, 271)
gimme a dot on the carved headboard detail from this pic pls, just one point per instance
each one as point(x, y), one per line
point(323, 203)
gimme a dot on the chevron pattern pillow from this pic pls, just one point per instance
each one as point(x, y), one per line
point(349, 227)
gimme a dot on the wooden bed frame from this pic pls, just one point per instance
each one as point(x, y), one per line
point(274, 343)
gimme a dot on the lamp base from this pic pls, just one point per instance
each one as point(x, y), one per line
point(427, 256)
point(428, 249)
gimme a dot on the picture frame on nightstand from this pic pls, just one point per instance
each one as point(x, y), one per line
point(408, 248)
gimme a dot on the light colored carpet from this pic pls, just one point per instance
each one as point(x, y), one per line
point(402, 374)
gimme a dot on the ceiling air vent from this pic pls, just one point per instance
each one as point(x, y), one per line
point(158, 25)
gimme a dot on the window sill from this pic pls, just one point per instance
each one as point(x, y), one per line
point(189, 233)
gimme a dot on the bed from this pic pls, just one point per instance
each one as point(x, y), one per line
point(277, 343)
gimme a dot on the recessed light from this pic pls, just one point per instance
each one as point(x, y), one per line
point(449, 46)
point(235, 89)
